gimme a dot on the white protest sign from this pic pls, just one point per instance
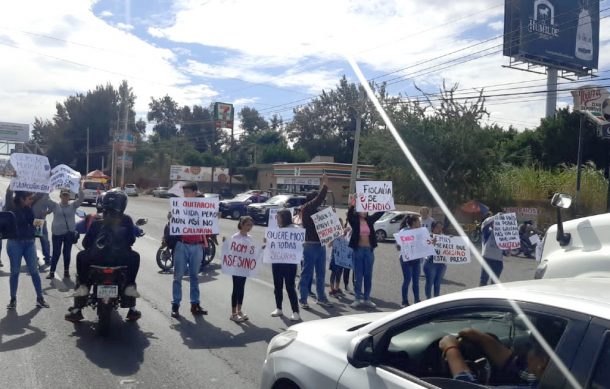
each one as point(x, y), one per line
point(374, 196)
point(194, 216)
point(177, 189)
point(33, 173)
point(284, 245)
point(342, 253)
point(327, 225)
point(534, 239)
point(272, 223)
point(240, 257)
point(414, 244)
point(451, 250)
point(63, 176)
point(506, 231)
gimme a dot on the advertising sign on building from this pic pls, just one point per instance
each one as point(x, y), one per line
point(560, 33)
point(223, 115)
point(14, 132)
point(589, 98)
point(190, 173)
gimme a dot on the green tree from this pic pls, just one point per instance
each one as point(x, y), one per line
point(165, 114)
point(251, 121)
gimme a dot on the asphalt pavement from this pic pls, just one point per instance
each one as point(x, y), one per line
point(39, 349)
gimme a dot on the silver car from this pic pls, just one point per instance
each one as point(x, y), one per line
point(401, 349)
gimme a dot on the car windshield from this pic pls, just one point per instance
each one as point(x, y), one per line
point(277, 200)
point(93, 185)
point(242, 198)
point(387, 216)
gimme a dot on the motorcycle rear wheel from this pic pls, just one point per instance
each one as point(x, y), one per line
point(165, 259)
point(104, 315)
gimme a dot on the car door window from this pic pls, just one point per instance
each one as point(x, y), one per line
point(601, 373)
point(415, 350)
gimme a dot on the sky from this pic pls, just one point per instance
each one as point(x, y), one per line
point(271, 55)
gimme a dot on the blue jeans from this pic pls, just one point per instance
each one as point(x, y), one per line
point(434, 276)
point(410, 272)
point(364, 258)
point(183, 254)
point(44, 244)
point(314, 259)
point(16, 250)
point(495, 265)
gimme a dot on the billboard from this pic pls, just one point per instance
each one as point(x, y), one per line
point(190, 173)
point(14, 132)
point(223, 115)
point(589, 98)
point(563, 34)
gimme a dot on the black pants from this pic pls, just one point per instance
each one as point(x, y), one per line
point(58, 242)
point(239, 285)
point(84, 259)
point(346, 276)
point(335, 275)
point(285, 273)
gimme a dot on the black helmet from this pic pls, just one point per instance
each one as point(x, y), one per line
point(98, 202)
point(114, 202)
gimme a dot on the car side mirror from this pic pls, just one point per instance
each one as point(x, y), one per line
point(559, 201)
point(248, 201)
point(361, 352)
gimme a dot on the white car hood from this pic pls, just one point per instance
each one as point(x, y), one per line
point(337, 324)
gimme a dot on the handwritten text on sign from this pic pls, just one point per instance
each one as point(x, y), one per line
point(327, 225)
point(240, 257)
point(194, 216)
point(284, 245)
point(342, 253)
point(451, 250)
point(506, 231)
point(33, 173)
point(374, 196)
point(414, 244)
point(63, 176)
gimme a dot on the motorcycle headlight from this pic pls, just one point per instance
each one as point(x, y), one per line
point(281, 341)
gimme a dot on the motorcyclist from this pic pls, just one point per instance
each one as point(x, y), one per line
point(108, 243)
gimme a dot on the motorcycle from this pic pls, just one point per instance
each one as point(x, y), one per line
point(165, 255)
point(527, 248)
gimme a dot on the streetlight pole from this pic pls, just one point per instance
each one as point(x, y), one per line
point(123, 144)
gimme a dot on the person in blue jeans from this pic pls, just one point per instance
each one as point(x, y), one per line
point(314, 253)
point(363, 241)
point(434, 272)
point(411, 269)
point(492, 254)
point(22, 245)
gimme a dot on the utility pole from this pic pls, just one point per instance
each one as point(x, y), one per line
point(87, 171)
point(352, 180)
point(123, 142)
point(551, 94)
point(232, 156)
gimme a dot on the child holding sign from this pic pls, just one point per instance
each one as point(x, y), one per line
point(244, 226)
point(411, 268)
point(434, 271)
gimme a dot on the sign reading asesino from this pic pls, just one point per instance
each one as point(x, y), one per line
point(194, 216)
point(240, 257)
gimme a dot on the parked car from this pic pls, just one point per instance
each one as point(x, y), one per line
point(260, 211)
point(161, 191)
point(389, 224)
point(401, 349)
point(91, 189)
point(131, 190)
point(237, 206)
point(575, 248)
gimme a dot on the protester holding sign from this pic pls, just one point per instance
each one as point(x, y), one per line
point(363, 241)
point(492, 254)
point(242, 242)
point(314, 253)
point(434, 272)
point(411, 267)
point(339, 248)
point(63, 229)
point(22, 245)
point(188, 250)
point(285, 273)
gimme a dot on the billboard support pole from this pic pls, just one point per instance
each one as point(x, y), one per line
point(551, 94)
point(579, 162)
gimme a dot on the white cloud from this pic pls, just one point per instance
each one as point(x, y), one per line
point(245, 101)
point(36, 72)
point(497, 26)
point(124, 26)
point(106, 14)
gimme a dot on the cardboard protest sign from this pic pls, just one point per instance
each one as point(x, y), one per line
point(240, 257)
point(506, 231)
point(374, 196)
point(63, 176)
point(534, 239)
point(414, 244)
point(194, 216)
point(451, 250)
point(284, 245)
point(327, 225)
point(342, 253)
point(33, 173)
point(273, 213)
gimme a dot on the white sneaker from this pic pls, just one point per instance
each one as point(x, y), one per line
point(295, 316)
point(82, 291)
point(131, 291)
point(356, 304)
point(369, 304)
point(276, 313)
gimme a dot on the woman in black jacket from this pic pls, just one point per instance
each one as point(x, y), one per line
point(363, 241)
point(22, 246)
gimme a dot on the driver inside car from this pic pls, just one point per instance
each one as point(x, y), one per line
point(108, 243)
point(520, 369)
